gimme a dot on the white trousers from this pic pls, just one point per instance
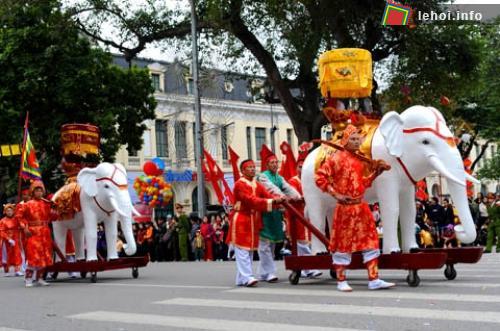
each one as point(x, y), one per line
point(266, 259)
point(244, 272)
point(345, 258)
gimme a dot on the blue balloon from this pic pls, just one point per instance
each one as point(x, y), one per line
point(159, 163)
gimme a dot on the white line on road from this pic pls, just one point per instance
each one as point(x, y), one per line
point(393, 294)
point(195, 323)
point(3, 328)
point(208, 287)
point(444, 283)
point(437, 314)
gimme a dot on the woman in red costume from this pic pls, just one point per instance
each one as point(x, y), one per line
point(34, 217)
point(343, 176)
point(10, 234)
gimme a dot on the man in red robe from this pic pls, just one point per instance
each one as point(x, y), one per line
point(34, 217)
point(343, 175)
point(302, 234)
point(251, 199)
point(10, 234)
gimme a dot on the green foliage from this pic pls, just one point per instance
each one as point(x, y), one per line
point(491, 169)
point(51, 71)
point(282, 39)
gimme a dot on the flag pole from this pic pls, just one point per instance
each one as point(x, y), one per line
point(26, 121)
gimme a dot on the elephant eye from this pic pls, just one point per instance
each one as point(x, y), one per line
point(425, 142)
point(106, 186)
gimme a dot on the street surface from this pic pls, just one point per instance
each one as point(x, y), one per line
point(201, 296)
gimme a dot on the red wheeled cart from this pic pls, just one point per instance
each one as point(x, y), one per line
point(93, 267)
point(420, 259)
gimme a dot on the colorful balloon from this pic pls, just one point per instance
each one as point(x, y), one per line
point(150, 168)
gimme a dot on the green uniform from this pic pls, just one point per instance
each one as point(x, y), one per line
point(272, 229)
point(183, 229)
point(493, 229)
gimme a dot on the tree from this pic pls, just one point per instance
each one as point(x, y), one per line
point(491, 170)
point(51, 71)
point(285, 38)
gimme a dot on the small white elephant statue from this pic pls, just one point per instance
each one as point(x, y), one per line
point(103, 198)
point(414, 143)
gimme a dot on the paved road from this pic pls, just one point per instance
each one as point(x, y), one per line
point(194, 296)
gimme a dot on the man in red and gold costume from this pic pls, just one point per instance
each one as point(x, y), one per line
point(251, 199)
point(346, 177)
point(10, 235)
point(303, 235)
point(34, 217)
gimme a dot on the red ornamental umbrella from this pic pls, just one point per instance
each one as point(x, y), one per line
point(146, 213)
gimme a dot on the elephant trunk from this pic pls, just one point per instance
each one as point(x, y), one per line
point(466, 233)
point(125, 209)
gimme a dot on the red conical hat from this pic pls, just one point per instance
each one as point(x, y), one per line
point(304, 149)
point(266, 155)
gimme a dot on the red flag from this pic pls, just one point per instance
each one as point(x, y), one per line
point(210, 168)
point(233, 158)
point(289, 164)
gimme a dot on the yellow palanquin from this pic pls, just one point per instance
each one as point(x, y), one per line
point(345, 73)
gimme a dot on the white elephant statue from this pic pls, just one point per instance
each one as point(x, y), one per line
point(103, 198)
point(414, 143)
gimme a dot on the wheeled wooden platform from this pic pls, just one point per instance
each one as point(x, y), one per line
point(429, 258)
point(93, 267)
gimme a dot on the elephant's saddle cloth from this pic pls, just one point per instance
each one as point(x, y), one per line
point(368, 130)
point(67, 201)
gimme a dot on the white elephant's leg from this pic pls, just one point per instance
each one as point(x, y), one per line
point(407, 214)
point(91, 237)
point(387, 192)
point(78, 237)
point(60, 229)
point(317, 212)
point(111, 231)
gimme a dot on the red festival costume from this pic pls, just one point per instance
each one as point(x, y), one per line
point(301, 232)
point(34, 217)
point(251, 198)
point(353, 230)
point(9, 230)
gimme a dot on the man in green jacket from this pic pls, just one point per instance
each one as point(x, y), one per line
point(183, 230)
point(272, 230)
point(493, 227)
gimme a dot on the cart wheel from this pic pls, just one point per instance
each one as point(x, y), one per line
point(333, 274)
point(450, 273)
point(412, 279)
point(93, 277)
point(135, 272)
point(83, 274)
point(294, 277)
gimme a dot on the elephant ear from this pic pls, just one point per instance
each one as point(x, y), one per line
point(87, 180)
point(391, 128)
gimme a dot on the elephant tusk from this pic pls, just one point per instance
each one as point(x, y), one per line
point(115, 207)
point(439, 167)
point(472, 179)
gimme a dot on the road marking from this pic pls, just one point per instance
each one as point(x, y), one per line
point(437, 314)
point(166, 286)
point(455, 284)
point(393, 294)
point(195, 323)
point(3, 328)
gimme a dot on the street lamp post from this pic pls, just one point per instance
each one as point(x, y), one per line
point(197, 110)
